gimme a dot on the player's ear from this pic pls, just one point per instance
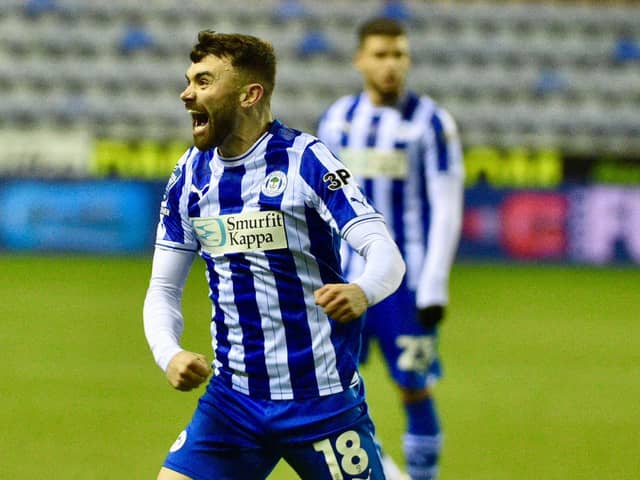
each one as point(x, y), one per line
point(251, 94)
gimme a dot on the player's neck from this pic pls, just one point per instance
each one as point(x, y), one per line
point(245, 135)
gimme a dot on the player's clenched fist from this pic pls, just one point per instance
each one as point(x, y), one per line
point(341, 301)
point(187, 370)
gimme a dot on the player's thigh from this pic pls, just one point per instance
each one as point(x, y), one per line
point(209, 450)
point(233, 464)
point(166, 474)
point(348, 454)
point(222, 441)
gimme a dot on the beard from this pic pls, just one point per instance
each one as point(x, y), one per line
point(389, 90)
point(219, 126)
point(390, 97)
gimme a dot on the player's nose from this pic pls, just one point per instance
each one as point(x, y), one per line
point(187, 94)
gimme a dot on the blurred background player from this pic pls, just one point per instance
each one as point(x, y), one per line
point(405, 151)
point(262, 204)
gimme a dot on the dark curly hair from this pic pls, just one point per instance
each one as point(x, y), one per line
point(380, 26)
point(250, 55)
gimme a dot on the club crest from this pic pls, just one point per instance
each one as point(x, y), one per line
point(274, 184)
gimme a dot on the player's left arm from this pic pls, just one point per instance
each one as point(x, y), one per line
point(382, 275)
point(445, 187)
point(335, 195)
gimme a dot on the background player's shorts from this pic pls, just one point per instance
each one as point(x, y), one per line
point(410, 350)
point(232, 436)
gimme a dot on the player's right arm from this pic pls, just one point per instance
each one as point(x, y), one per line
point(163, 320)
point(175, 250)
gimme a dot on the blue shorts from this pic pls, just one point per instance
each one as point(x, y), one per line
point(409, 349)
point(233, 436)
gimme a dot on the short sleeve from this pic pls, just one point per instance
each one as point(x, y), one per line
point(174, 227)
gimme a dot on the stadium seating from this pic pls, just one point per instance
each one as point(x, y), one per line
point(521, 73)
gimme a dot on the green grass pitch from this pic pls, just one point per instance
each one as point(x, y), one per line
point(542, 373)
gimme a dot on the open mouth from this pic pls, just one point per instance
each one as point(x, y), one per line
point(198, 119)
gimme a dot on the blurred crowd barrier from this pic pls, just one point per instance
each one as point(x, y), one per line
point(105, 216)
point(595, 224)
point(586, 224)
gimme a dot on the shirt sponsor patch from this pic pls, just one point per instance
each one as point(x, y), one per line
point(372, 163)
point(241, 232)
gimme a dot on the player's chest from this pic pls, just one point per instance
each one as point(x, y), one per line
point(237, 190)
point(381, 149)
point(245, 211)
point(385, 129)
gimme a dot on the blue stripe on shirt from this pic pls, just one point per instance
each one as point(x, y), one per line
point(372, 133)
point(288, 285)
point(313, 171)
point(440, 139)
point(222, 331)
point(398, 205)
point(407, 109)
point(244, 291)
point(200, 181)
point(250, 320)
point(344, 139)
point(372, 139)
point(425, 205)
point(325, 247)
point(172, 222)
point(410, 104)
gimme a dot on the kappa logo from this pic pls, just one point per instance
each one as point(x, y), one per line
point(274, 184)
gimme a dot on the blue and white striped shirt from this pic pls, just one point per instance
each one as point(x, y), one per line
point(408, 158)
point(266, 225)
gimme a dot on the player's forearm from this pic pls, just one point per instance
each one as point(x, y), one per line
point(444, 235)
point(163, 323)
point(162, 313)
point(384, 266)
